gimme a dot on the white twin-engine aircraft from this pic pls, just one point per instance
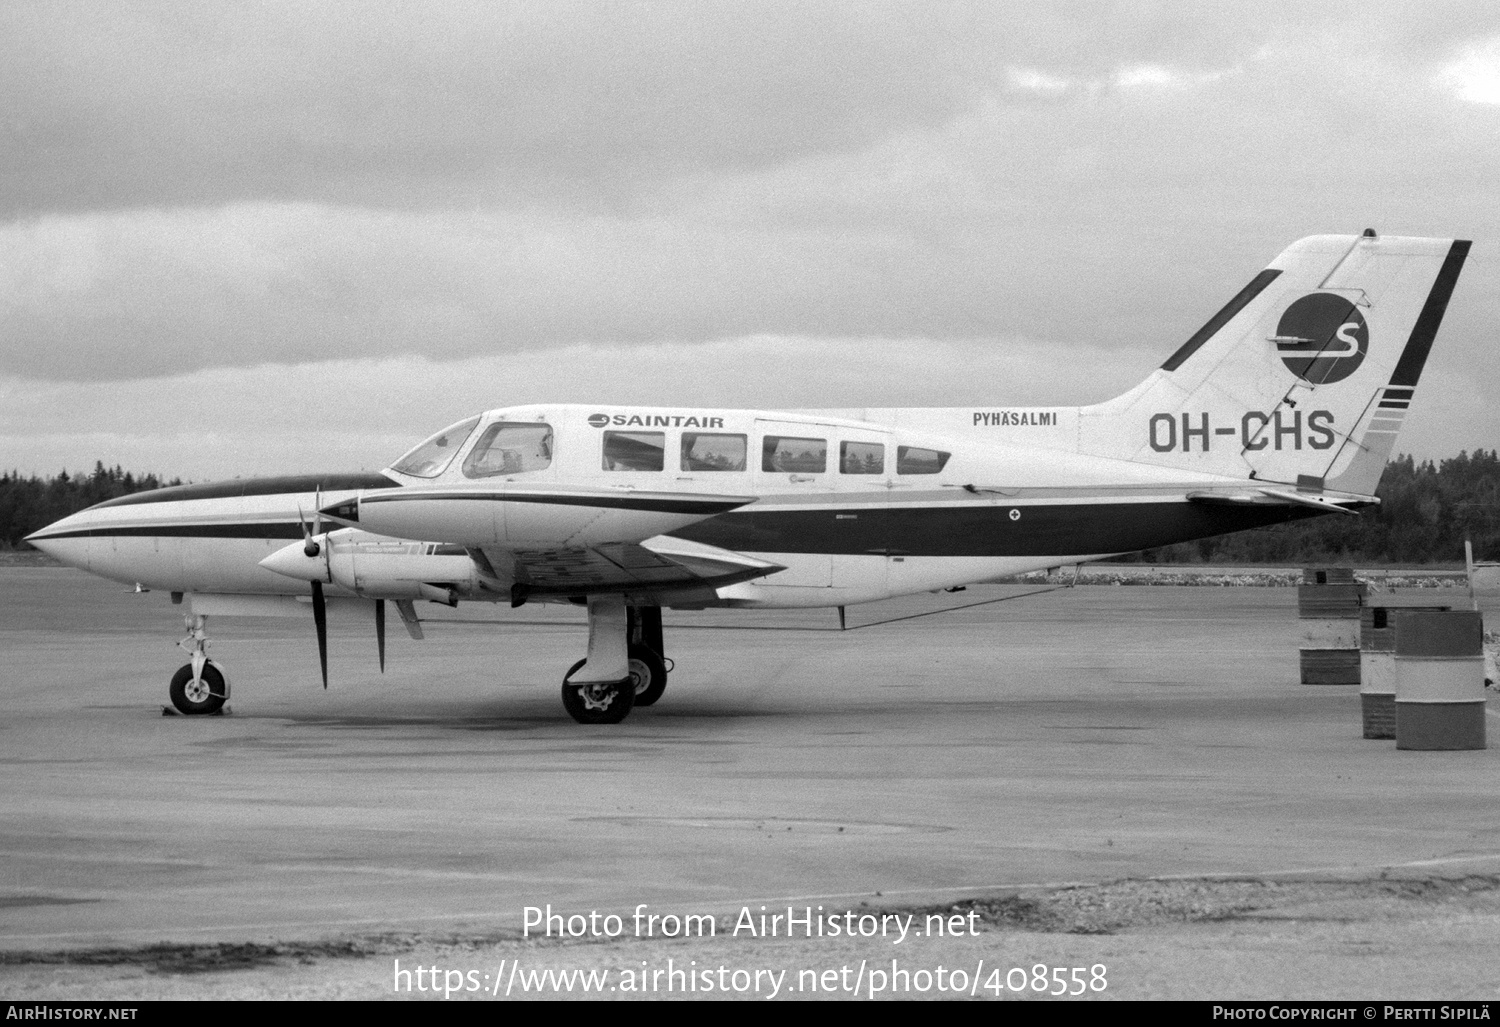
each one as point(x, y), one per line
point(1284, 405)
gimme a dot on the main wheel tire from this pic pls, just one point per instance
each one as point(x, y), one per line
point(600, 703)
point(206, 695)
point(649, 672)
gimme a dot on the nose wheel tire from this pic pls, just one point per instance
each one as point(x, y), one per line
point(607, 702)
point(206, 695)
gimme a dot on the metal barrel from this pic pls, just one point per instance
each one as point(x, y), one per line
point(1439, 680)
point(1328, 605)
point(1377, 666)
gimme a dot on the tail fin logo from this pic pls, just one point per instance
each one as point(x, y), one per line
point(1322, 338)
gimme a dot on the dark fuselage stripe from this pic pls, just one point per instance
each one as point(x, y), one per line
point(257, 529)
point(1049, 530)
point(244, 487)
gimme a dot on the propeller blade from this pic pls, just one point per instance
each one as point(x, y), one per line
point(309, 547)
point(380, 631)
point(320, 621)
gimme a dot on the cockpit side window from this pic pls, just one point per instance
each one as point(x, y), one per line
point(510, 448)
point(432, 457)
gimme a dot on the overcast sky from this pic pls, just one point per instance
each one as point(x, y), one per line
point(249, 238)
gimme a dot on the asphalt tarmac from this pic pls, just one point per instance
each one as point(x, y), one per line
point(1039, 740)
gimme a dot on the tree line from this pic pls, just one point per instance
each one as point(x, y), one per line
point(1427, 510)
point(28, 504)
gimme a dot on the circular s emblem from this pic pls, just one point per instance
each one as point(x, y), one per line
point(1322, 338)
point(598, 420)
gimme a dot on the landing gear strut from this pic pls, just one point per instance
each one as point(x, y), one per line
point(622, 669)
point(198, 687)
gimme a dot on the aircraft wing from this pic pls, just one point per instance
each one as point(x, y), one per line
point(657, 569)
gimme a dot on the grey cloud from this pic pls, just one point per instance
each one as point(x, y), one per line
point(421, 104)
point(792, 169)
point(139, 294)
point(407, 104)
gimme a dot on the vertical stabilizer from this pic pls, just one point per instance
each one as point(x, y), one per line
point(1303, 378)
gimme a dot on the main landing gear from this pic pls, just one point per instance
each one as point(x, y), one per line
point(199, 686)
point(624, 667)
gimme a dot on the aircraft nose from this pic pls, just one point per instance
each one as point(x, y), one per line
point(71, 551)
point(293, 562)
point(65, 540)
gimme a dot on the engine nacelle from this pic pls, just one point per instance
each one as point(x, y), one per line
point(402, 570)
point(380, 568)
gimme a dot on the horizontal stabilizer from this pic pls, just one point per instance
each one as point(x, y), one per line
point(1340, 503)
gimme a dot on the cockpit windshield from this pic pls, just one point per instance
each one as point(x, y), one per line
point(432, 457)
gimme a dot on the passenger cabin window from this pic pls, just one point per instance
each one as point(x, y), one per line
point(703, 451)
point(432, 457)
point(784, 454)
point(911, 460)
point(861, 458)
point(634, 450)
point(510, 448)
